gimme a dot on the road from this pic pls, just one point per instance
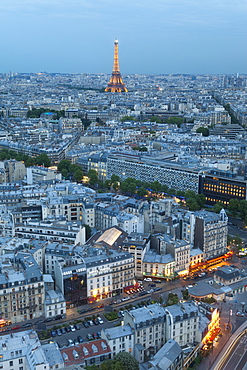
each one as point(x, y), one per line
point(238, 355)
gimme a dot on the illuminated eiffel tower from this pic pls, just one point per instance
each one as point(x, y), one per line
point(116, 82)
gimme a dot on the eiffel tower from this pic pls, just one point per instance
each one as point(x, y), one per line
point(116, 82)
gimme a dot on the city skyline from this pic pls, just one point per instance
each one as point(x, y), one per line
point(77, 37)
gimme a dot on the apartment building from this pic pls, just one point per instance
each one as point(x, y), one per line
point(21, 288)
point(53, 231)
point(23, 350)
point(54, 303)
point(210, 233)
point(148, 325)
point(119, 339)
point(108, 273)
point(137, 244)
point(182, 323)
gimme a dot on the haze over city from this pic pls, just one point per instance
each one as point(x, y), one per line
point(158, 37)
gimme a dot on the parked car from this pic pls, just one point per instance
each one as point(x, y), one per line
point(99, 335)
point(63, 330)
point(83, 311)
point(70, 342)
point(72, 327)
point(86, 324)
point(147, 279)
point(59, 333)
point(76, 342)
point(77, 326)
point(27, 325)
point(90, 323)
point(89, 337)
point(80, 339)
point(68, 328)
point(95, 321)
point(100, 320)
point(53, 333)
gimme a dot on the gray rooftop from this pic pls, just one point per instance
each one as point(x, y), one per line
point(118, 332)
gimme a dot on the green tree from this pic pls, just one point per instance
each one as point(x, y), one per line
point(65, 173)
point(175, 121)
point(43, 159)
point(78, 175)
point(63, 164)
point(142, 191)
point(128, 361)
point(218, 207)
point(93, 177)
point(192, 204)
point(203, 130)
point(233, 207)
point(127, 118)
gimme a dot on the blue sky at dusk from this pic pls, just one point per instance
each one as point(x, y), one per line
point(155, 37)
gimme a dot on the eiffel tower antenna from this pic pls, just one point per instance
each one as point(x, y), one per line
point(116, 82)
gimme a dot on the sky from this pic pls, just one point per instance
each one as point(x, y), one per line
point(155, 36)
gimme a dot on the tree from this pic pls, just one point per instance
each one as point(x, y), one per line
point(203, 130)
point(233, 207)
point(175, 121)
point(142, 191)
point(78, 175)
point(192, 204)
point(65, 173)
point(218, 207)
point(93, 177)
point(43, 159)
point(128, 361)
point(127, 118)
point(63, 164)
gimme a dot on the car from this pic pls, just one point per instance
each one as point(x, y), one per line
point(68, 328)
point(53, 333)
point(240, 314)
point(77, 326)
point(89, 337)
point(70, 342)
point(157, 281)
point(59, 333)
point(100, 320)
point(94, 335)
point(63, 330)
point(27, 325)
point(125, 299)
point(83, 311)
point(58, 317)
point(143, 293)
point(92, 308)
point(98, 334)
point(86, 324)
point(49, 319)
point(72, 328)
point(147, 279)
point(156, 289)
point(101, 305)
point(95, 321)
point(80, 339)
point(152, 285)
point(90, 323)
point(76, 342)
